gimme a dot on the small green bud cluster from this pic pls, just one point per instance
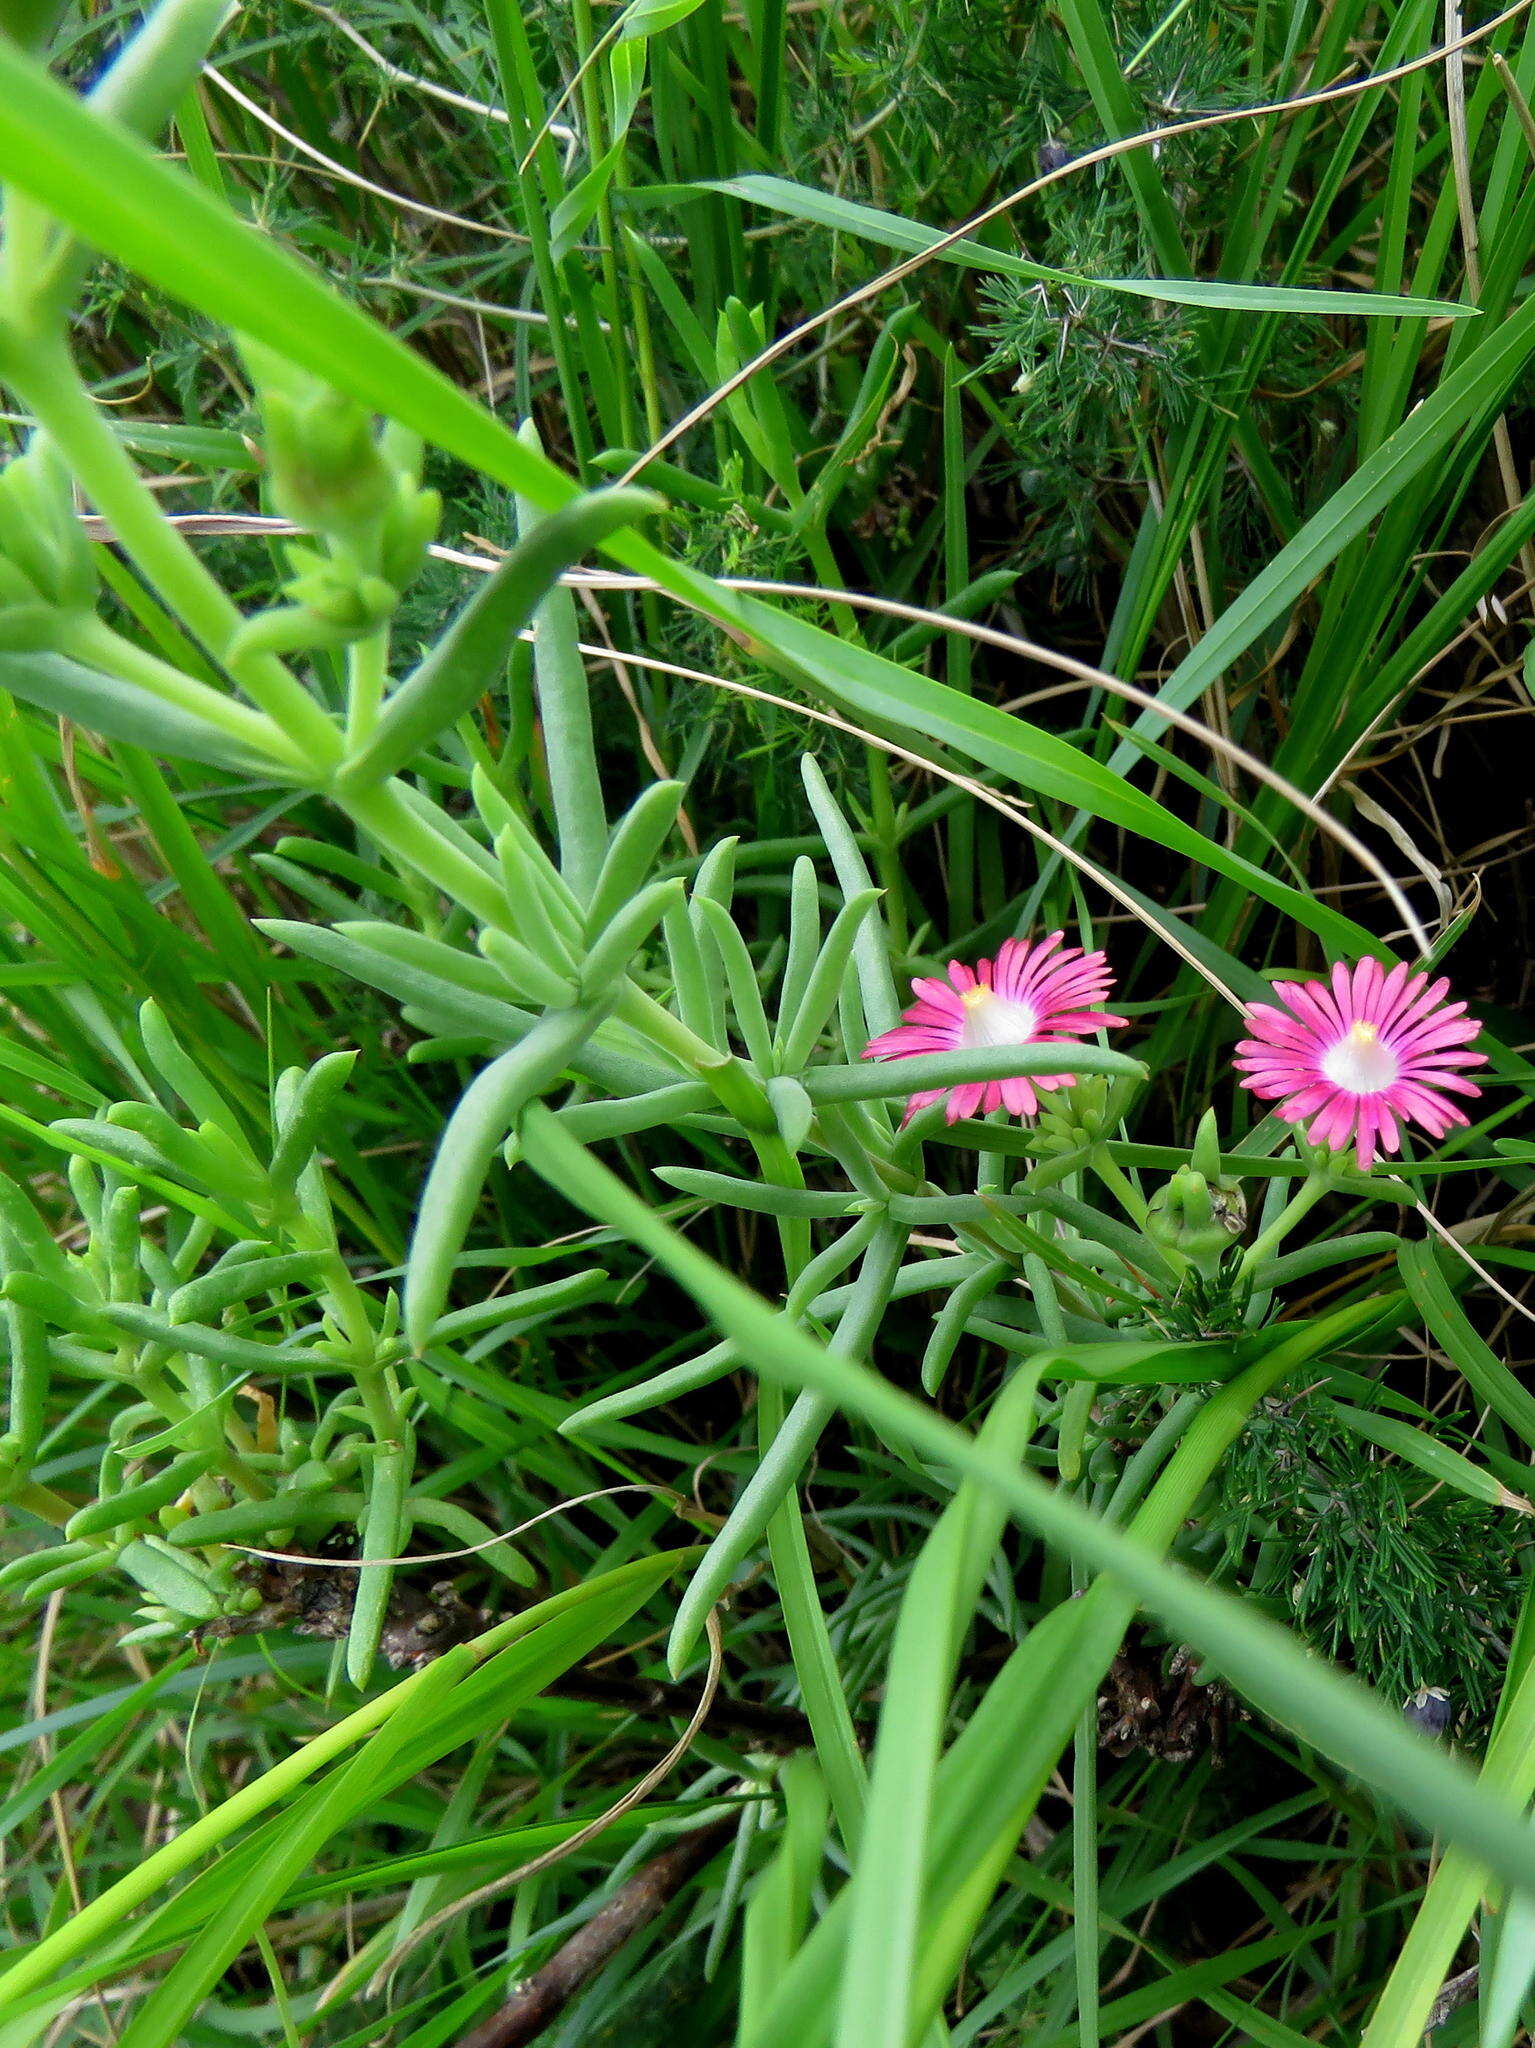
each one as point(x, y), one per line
point(45, 558)
point(1200, 1211)
point(357, 489)
point(1072, 1118)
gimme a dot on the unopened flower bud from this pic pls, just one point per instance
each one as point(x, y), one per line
point(1205, 1156)
point(350, 602)
point(333, 602)
point(1071, 1118)
point(48, 558)
point(409, 527)
point(1190, 1217)
point(16, 588)
point(326, 470)
point(1227, 1201)
point(328, 473)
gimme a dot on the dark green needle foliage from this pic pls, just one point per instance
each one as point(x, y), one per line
point(1087, 368)
point(1410, 1584)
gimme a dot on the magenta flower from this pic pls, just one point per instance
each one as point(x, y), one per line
point(1360, 1053)
point(1032, 995)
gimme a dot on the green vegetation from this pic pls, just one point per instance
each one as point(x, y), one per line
point(552, 560)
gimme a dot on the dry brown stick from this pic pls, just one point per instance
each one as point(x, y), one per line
point(1453, 1994)
point(498, 1885)
point(542, 1997)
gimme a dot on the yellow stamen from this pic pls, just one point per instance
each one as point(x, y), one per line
point(1364, 1034)
point(972, 998)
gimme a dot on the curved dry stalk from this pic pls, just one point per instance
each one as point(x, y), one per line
point(1448, 1237)
point(1377, 814)
point(564, 135)
point(1005, 805)
point(1097, 678)
point(348, 177)
point(212, 525)
point(519, 316)
point(1083, 672)
point(1469, 631)
point(653, 1777)
point(683, 1507)
point(1150, 138)
point(567, 93)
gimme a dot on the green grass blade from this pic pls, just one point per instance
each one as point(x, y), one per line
point(873, 224)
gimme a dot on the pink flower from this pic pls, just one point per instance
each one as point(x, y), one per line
point(1033, 995)
point(1360, 1052)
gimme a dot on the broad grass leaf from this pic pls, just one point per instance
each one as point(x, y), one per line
point(890, 231)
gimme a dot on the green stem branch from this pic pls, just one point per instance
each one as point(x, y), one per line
point(43, 372)
point(1312, 1189)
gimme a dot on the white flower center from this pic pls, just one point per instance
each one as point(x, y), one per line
point(991, 1019)
point(1360, 1064)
